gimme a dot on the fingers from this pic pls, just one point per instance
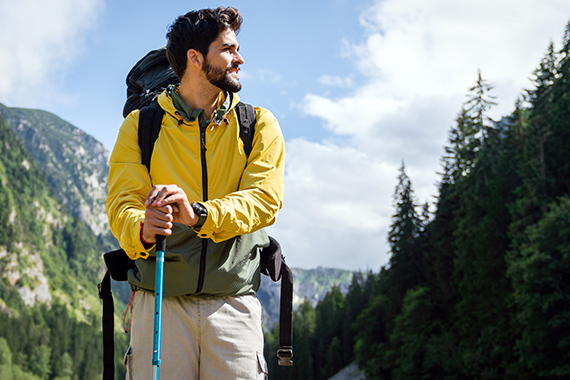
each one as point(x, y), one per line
point(158, 221)
point(170, 199)
point(158, 195)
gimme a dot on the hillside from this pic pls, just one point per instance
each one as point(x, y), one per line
point(73, 162)
point(49, 263)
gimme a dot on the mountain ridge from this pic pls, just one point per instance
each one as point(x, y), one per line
point(74, 163)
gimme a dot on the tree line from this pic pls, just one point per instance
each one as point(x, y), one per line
point(480, 287)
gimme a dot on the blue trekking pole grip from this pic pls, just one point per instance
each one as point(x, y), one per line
point(158, 285)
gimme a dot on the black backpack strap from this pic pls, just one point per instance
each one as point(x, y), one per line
point(247, 120)
point(285, 351)
point(272, 263)
point(108, 325)
point(150, 122)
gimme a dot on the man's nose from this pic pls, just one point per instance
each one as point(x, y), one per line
point(239, 58)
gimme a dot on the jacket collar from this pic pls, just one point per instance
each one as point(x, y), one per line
point(190, 115)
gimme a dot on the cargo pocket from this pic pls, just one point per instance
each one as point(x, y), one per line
point(262, 370)
point(128, 361)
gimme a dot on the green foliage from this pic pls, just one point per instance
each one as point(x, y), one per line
point(39, 363)
point(322, 335)
point(412, 353)
point(541, 275)
point(5, 360)
point(372, 327)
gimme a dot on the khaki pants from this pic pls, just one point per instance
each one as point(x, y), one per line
point(207, 339)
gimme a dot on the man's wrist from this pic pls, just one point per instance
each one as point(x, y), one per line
point(145, 243)
point(202, 213)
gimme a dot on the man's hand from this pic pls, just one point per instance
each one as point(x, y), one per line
point(166, 204)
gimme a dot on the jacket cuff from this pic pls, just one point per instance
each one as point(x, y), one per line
point(139, 249)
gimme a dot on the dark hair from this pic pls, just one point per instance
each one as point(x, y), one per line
point(197, 30)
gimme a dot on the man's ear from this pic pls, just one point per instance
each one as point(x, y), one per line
point(194, 57)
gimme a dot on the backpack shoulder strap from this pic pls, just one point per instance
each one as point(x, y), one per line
point(247, 120)
point(150, 122)
point(108, 327)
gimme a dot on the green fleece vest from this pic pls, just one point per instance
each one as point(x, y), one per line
point(231, 267)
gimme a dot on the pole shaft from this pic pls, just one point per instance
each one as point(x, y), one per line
point(158, 286)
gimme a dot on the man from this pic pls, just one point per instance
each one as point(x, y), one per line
point(210, 200)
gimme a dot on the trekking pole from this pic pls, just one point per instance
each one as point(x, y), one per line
point(158, 285)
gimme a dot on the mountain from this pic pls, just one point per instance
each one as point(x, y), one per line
point(74, 163)
point(308, 284)
point(49, 265)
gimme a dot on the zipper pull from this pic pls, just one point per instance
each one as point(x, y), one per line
point(180, 118)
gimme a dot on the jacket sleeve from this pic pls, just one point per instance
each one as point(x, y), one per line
point(129, 184)
point(260, 195)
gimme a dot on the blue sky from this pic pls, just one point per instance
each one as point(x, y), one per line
point(358, 87)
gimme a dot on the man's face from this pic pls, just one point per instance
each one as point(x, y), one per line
point(221, 65)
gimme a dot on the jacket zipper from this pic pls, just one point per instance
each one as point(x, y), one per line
point(204, 198)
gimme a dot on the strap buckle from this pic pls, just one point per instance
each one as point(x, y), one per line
point(285, 354)
point(101, 293)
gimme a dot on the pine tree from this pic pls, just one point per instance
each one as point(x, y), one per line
point(406, 255)
point(480, 101)
point(355, 302)
point(469, 240)
point(330, 313)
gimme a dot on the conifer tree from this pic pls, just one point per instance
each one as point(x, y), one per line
point(480, 101)
point(355, 302)
point(406, 256)
point(330, 313)
point(480, 192)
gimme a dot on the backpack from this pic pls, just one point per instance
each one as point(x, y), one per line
point(146, 80)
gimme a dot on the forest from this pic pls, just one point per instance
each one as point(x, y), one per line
point(478, 288)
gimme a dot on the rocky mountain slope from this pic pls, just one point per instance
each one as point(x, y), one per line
point(308, 284)
point(49, 263)
point(74, 163)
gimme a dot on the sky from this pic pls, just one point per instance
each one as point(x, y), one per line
point(359, 88)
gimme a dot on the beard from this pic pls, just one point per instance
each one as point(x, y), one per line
point(221, 78)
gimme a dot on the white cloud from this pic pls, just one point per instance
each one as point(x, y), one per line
point(419, 59)
point(38, 42)
point(331, 80)
point(334, 207)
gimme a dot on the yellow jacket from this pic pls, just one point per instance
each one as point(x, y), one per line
point(244, 193)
